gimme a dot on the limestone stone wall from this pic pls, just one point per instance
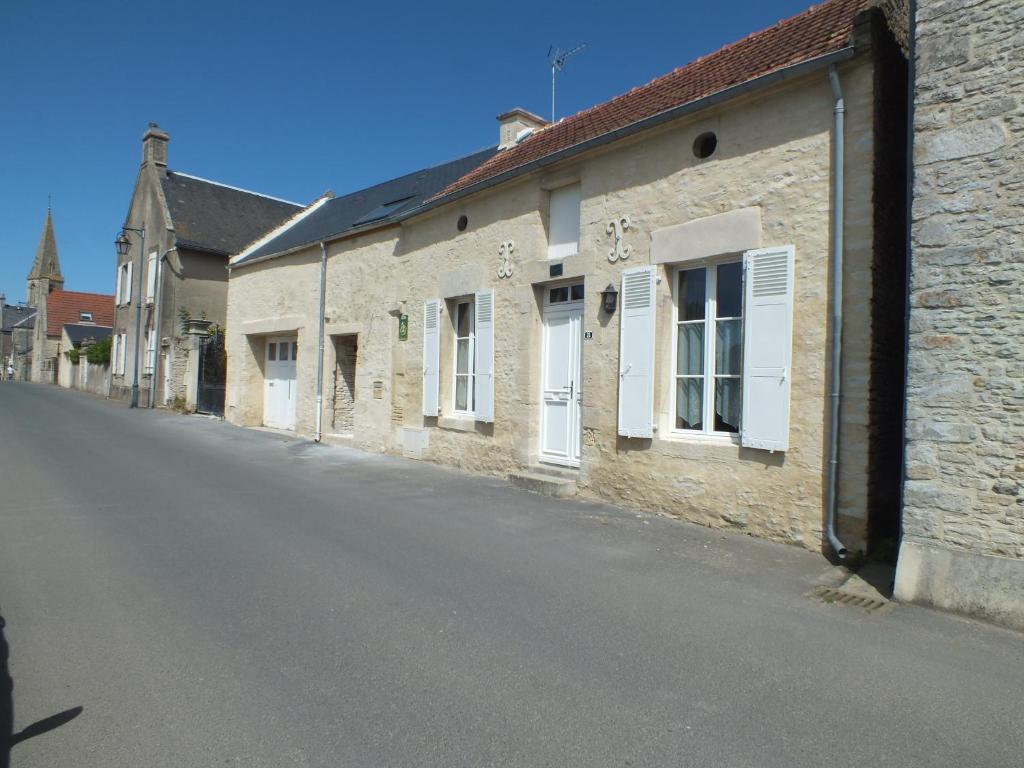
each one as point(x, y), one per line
point(773, 154)
point(963, 496)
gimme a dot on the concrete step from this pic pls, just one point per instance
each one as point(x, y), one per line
point(549, 485)
point(553, 470)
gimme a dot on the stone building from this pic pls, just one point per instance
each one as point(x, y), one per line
point(633, 303)
point(16, 323)
point(963, 518)
point(190, 226)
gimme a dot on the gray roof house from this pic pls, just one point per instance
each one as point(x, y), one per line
point(191, 225)
point(370, 208)
point(16, 324)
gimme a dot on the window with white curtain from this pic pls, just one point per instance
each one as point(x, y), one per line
point(464, 357)
point(709, 349)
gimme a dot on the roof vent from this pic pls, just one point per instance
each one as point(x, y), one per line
point(516, 125)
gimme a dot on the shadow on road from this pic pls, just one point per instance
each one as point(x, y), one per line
point(7, 736)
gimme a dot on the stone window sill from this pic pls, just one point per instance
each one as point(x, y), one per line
point(457, 423)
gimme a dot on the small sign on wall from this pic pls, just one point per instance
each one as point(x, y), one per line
point(403, 327)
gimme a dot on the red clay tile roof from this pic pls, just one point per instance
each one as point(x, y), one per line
point(65, 306)
point(819, 30)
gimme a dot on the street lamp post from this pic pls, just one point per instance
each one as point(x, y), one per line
point(123, 246)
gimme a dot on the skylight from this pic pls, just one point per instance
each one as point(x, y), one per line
point(381, 211)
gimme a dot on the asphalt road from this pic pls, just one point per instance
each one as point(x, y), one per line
point(180, 592)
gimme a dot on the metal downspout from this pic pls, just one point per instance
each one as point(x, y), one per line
point(838, 117)
point(320, 344)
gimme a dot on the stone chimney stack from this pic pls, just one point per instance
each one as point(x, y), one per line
point(154, 146)
point(513, 123)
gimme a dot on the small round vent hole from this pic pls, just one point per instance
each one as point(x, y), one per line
point(705, 145)
point(462, 223)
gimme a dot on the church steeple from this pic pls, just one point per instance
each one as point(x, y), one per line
point(45, 275)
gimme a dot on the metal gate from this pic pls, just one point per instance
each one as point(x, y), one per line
point(212, 374)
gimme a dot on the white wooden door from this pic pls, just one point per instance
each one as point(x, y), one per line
point(561, 376)
point(279, 390)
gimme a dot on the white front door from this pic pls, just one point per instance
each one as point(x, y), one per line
point(561, 375)
point(279, 393)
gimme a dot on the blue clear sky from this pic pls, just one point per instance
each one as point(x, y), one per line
point(290, 99)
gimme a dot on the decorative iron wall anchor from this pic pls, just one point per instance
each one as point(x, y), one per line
point(621, 251)
point(505, 258)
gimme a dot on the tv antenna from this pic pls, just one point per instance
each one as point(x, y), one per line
point(557, 57)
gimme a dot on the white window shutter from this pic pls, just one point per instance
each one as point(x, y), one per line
point(564, 221)
point(767, 347)
point(150, 277)
point(122, 353)
point(114, 346)
point(128, 284)
point(483, 379)
point(117, 289)
point(636, 353)
point(150, 350)
point(431, 355)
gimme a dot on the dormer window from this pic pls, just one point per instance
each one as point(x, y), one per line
point(85, 317)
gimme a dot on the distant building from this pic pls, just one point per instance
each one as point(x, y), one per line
point(54, 307)
point(16, 325)
point(191, 226)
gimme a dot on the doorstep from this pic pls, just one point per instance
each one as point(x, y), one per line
point(547, 480)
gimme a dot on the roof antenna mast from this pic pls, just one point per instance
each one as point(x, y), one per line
point(557, 58)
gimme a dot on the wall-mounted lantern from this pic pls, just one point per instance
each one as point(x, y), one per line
point(123, 245)
point(609, 298)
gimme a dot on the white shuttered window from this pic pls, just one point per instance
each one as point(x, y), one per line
point(150, 277)
point(636, 353)
point(117, 288)
point(564, 234)
point(484, 378)
point(768, 342)
point(150, 350)
point(122, 356)
point(128, 283)
point(431, 355)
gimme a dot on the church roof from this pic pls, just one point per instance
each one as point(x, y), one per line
point(46, 263)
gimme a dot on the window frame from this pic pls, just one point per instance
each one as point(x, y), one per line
point(710, 267)
point(470, 375)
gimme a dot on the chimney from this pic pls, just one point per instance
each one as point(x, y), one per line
point(154, 146)
point(513, 123)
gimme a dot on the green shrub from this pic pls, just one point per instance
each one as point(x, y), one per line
point(99, 353)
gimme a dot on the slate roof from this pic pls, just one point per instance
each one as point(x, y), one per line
point(79, 332)
point(214, 217)
point(17, 313)
point(381, 204)
point(819, 30)
point(63, 307)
